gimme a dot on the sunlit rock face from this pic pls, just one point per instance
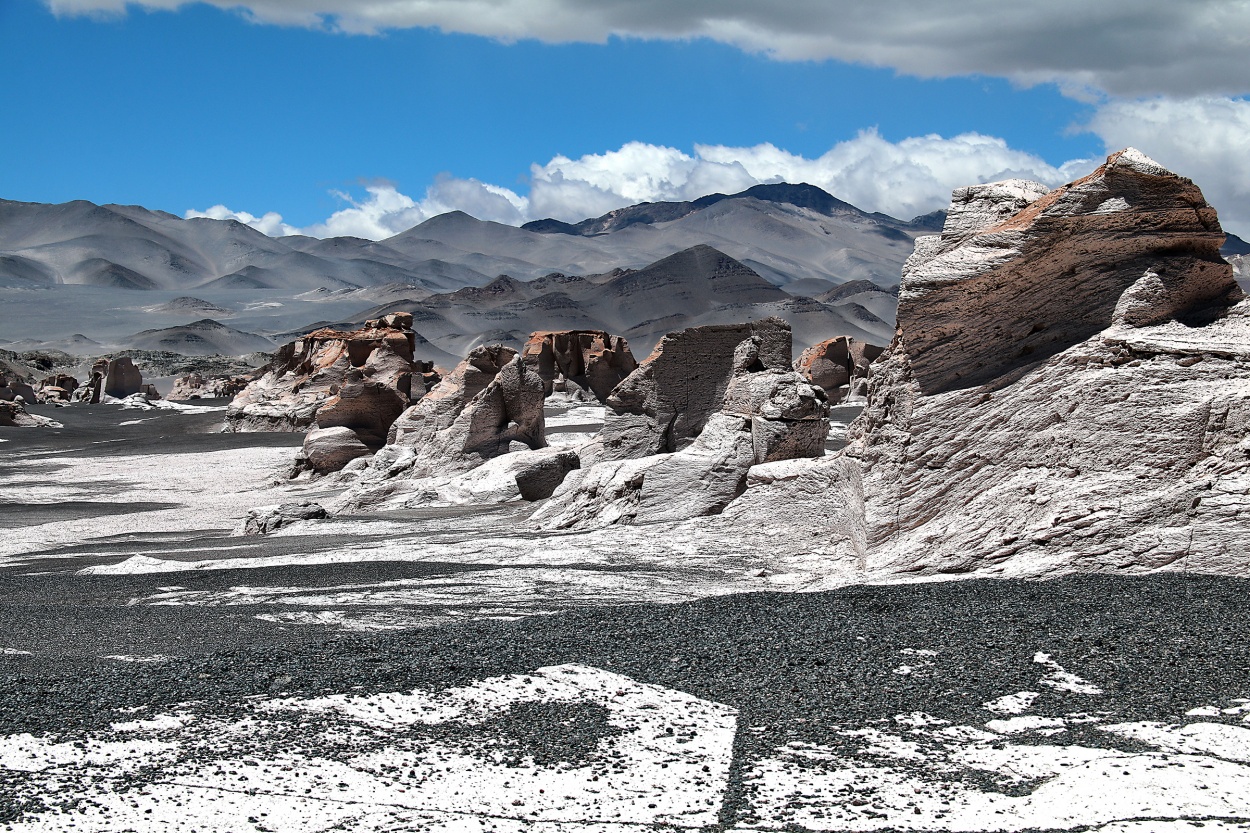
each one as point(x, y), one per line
point(306, 374)
point(839, 366)
point(1020, 273)
point(665, 404)
point(766, 415)
point(1068, 389)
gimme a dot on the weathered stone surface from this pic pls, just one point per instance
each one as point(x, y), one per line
point(122, 378)
point(838, 365)
point(591, 359)
point(198, 386)
point(367, 408)
point(10, 389)
point(540, 479)
point(766, 415)
point(1123, 451)
point(93, 390)
point(488, 407)
point(488, 404)
point(63, 384)
point(330, 449)
point(13, 414)
point(664, 404)
point(304, 375)
point(270, 518)
point(1131, 243)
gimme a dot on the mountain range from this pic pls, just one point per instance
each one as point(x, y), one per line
point(129, 277)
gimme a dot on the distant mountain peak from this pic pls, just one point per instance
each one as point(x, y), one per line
point(801, 195)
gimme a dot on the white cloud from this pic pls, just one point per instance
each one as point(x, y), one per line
point(1205, 139)
point(269, 223)
point(1121, 47)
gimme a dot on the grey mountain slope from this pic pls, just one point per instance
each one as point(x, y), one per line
point(199, 338)
point(699, 285)
point(186, 305)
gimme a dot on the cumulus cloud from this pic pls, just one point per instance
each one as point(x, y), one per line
point(269, 223)
point(903, 179)
point(1137, 48)
point(1206, 139)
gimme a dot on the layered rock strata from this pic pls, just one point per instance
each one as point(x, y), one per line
point(666, 402)
point(571, 361)
point(1069, 389)
point(1020, 273)
point(341, 367)
point(839, 366)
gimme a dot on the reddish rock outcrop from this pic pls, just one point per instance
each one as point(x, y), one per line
point(589, 359)
point(59, 386)
point(839, 366)
point(1068, 390)
point(306, 374)
point(1019, 273)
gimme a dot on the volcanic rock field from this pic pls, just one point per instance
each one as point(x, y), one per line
point(941, 527)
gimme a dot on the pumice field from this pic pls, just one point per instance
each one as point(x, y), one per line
point(491, 416)
point(990, 576)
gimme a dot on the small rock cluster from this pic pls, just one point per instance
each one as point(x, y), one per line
point(578, 364)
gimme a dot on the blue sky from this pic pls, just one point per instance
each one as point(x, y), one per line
point(201, 107)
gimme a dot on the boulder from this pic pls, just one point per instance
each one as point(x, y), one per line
point(270, 518)
point(306, 374)
point(839, 366)
point(1069, 389)
point(330, 449)
point(590, 359)
point(13, 414)
point(62, 382)
point(539, 479)
point(664, 404)
point(121, 378)
point(10, 389)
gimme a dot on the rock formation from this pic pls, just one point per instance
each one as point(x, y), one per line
point(269, 519)
point(13, 414)
point(306, 375)
point(197, 386)
point(58, 387)
point(10, 389)
point(1001, 288)
point(586, 359)
point(839, 366)
point(1069, 388)
point(766, 414)
point(664, 404)
point(122, 378)
point(489, 406)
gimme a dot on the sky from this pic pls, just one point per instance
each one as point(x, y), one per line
point(366, 117)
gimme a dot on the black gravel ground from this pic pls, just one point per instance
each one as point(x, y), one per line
point(797, 667)
point(800, 666)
